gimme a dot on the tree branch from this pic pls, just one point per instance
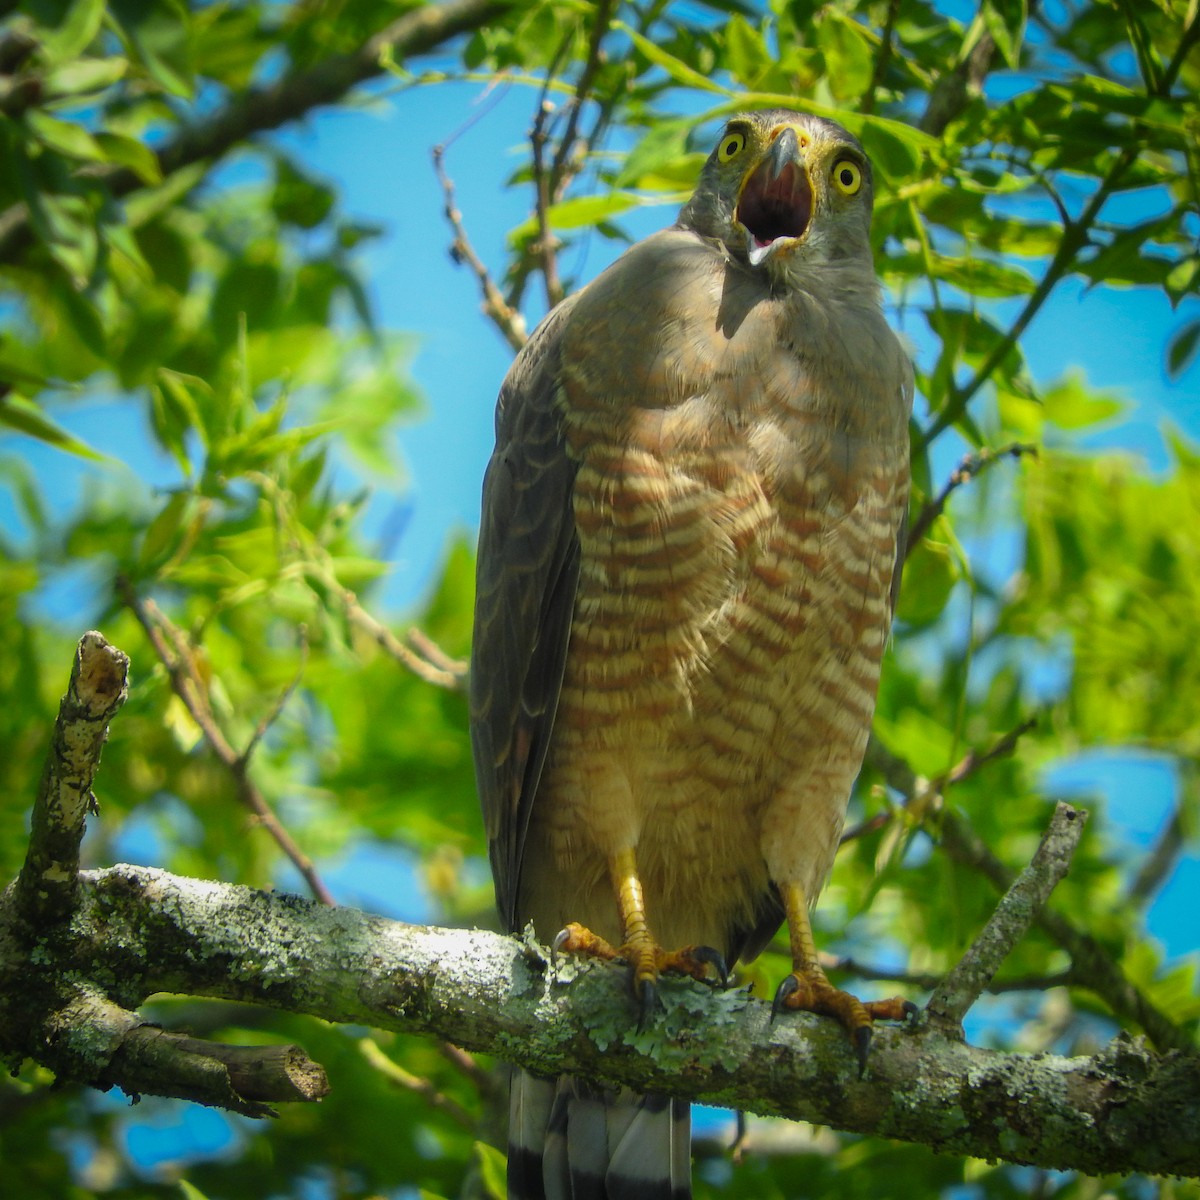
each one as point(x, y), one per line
point(970, 466)
point(1092, 965)
point(1009, 923)
point(507, 319)
point(98, 687)
point(145, 931)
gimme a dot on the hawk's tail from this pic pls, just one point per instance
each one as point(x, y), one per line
point(568, 1140)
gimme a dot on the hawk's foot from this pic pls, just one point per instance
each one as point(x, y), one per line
point(807, 989)
point(646, 958)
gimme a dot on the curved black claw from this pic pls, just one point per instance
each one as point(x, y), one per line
point(911, 1012)
point(647, 994)
point(560, 940)
point(787, 986)
point(714, 959)
point(862, 1047)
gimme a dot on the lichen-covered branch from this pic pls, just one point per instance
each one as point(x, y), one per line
point(97, 689)
point(1126, 1109)
point(955, 995)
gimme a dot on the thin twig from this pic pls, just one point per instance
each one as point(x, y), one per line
point(178, 659)
point(547, 245)
point(923, 795)
point(272, 714)
point(927, 981)
point(414, 1083)
point(1092, 965)
point(971, 466)
point(1161, 860)
point(506, 318)
point(293, 94)
point(1074, 238)
point(485, 1082)
point(428, 661)
point(1002, 747)
point(559, 175)
point(1016, 911)
point(883, 57)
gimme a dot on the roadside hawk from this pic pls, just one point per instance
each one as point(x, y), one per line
point(688, 558)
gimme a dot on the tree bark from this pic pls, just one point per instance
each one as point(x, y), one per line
point(137, 931)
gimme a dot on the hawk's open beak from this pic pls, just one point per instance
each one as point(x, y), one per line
point(775, 205)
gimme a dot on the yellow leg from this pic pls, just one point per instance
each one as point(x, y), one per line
point(646, 958)
point(808, 989)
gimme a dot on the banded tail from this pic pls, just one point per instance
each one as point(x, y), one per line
point(568, 1140)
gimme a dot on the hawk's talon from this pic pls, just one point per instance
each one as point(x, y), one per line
point(648, 1003)
point(713, 958)
point(862, 1047)
point(788, 985)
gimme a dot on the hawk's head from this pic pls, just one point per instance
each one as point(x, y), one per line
point(782, 189)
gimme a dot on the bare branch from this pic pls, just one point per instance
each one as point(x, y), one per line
point(178, 659)
point(547, 243)
point(272, 714)
point(560, 175)
point(426, 659)
point(1161, 860)
point(1010, 922)
point(97, 689)
point(506, 318)
point(848, 965)
point(971, 762)
point(246, 1079)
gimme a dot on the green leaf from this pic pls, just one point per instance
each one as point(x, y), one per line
point(1005, 21)
point(492, 1170)
point(64, 136)
point(26, 417)
point(129, 152)
point(85, 75)
point(1181, 350)
point(190, 1191)
point(580, 212)
point(930, 573)
point(160, 536)
point(74, 33)
point(1072, 404)
point(676, 68)
point(746, 53)
point(298, 199)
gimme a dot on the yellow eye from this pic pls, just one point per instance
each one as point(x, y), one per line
point(731, 144)
point(847, 176)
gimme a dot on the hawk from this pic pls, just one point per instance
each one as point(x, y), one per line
point(689, 552)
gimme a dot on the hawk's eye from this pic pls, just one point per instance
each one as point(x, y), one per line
point(847, 176)
point(731, 144)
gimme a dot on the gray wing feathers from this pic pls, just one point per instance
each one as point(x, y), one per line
point(526, 577)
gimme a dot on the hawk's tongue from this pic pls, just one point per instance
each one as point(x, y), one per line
point(775, 205)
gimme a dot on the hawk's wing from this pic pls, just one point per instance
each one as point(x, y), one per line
point(526, 578)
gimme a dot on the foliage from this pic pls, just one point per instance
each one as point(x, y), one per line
point(158, 254)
